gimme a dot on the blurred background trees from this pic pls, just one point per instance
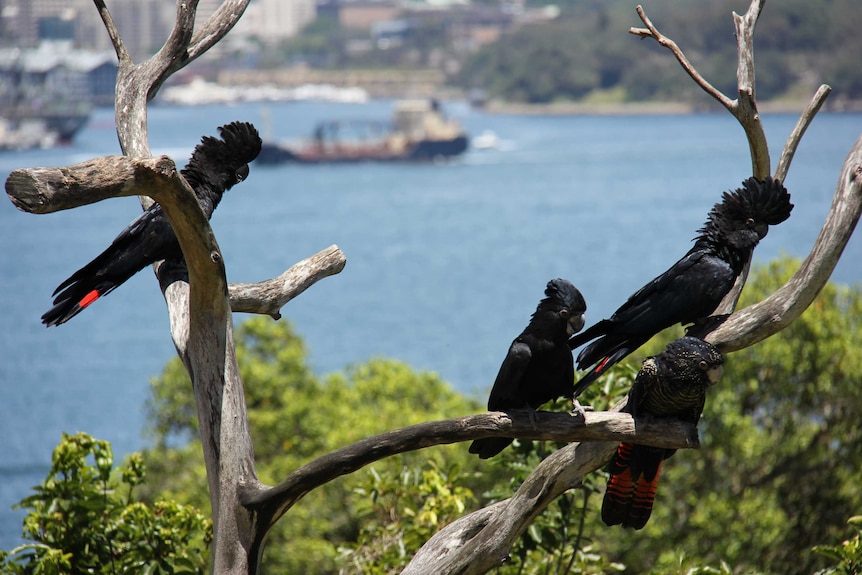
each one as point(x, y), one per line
point(777, 473)
point(585, 52)
point(799, 46)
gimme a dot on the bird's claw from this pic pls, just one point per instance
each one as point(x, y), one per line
point(579, 410)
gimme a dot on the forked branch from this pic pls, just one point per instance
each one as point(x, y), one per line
point(758, 321)
point(480, 541)
point(744, 107)
point(48, 190)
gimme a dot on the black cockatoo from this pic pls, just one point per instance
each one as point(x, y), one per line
point(216, 165)
point(539, 365)
point(672, 384)
point(694, 286)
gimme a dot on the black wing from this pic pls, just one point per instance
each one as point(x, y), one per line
point(507, 391)
point(691, 289)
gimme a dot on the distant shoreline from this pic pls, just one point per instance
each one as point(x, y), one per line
point(647, 108)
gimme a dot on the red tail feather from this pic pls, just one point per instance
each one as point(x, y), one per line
point(642, 500)
point(602, 364)
point(88, 299)
point(629, 496)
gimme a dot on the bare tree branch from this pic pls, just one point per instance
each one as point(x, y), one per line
point(113, 33)
point(542, 425)
point(217, 27)
point(47, 190)
point(652, 32)
point(480, 541)
point(601, 428)
point(757, 322)
point(799, 130)
point(269, 296)
point(744, 108)
point(138, 84)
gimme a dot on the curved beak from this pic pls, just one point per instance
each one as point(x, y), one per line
point(242, 173)
point(575, 324)
point(714, 374)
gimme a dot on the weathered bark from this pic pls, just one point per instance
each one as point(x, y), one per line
point(269, 296)
point(563, 427)
point(199, 310)
point(46, 190)
point(757, 322)
point(201, 324)
point(479, 542)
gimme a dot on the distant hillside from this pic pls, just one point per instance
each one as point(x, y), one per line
point(588, 55)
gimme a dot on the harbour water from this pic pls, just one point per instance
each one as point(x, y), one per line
point(446, 262)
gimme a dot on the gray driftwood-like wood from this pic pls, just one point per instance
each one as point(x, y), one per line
point(480, 541)
point(608, 428)
point(269, 296)
point(46, 190)
point(200, 303)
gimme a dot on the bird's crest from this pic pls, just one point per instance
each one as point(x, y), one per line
point(217, 160)
point(561, 293)
point(765, 202)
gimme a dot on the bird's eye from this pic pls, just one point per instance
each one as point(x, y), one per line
point(564, 313)
point(703, 365)
point(750, 222)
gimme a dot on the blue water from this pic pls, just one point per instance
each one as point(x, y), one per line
point(445, 262)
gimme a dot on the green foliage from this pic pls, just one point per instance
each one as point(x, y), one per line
point(779, 463)
point(799, 45)
point(776, 474)
point(848, 555)
point(296, 417)
point(83, 519)
point(399, 512)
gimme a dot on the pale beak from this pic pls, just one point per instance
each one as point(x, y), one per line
point(575, 324)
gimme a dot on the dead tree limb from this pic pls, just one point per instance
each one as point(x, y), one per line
point(542, 425)
point(799, 130)
point(480, 541)
point(201, 323)
point(758, 321)
point(269, 296)
point(744, 107)
point(199, 310)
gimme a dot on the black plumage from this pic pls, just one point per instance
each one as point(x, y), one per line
point(672, 384)
point(692, 288)
point(216, 165)
point(539, 365)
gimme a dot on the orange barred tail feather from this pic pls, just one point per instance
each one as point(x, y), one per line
point(642, 500)
point(618, 495)
point(630, 492)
